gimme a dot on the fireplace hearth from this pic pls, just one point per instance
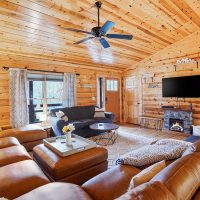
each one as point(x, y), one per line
point(178, 120)
point(176, 125)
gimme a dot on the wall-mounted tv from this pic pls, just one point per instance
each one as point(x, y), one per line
point(181, 87)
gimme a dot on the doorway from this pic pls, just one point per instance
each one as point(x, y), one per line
point(108, 95)
point(112, 97)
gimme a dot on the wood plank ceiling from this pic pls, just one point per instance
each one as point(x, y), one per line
point(34, 30)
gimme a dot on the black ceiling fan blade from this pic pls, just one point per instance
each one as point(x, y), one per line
point(84, 40)
point(119, 36)
point(104, 43)
point(106, 27)
point(79, 31)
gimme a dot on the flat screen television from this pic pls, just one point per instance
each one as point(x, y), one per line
point(181, 87)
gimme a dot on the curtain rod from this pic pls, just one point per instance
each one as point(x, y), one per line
point(7, 68)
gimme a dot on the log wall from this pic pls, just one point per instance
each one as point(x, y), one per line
point(85, 96)
point(145, 98)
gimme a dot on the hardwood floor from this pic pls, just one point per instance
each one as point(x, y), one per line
point(152, 133)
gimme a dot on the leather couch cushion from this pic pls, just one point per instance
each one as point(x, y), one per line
point(148, 191)
point(13, 154)
point(147, 174)
point(110, 184)
point(19, 178)
point(56, 191)
point(8, 142)
point(182, 177)
point(26, 133)
point(58, 167)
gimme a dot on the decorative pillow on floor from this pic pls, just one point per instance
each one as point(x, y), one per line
point(166, 149)
point(147, 174)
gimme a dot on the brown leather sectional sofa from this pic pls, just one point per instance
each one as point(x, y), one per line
point(29, 135)
point(24, 180)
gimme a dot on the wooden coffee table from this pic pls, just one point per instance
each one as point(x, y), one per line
point(110, 135)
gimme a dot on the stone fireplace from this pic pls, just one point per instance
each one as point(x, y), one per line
point(178, 120)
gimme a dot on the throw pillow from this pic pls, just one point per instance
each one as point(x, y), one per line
point(61, 115)
point(196, 130)
point(147, 174)
point(195, 147)
point(161, 150)
point(99, 114)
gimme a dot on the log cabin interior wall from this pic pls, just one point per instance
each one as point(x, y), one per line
point(85, 96)
point(143, 92)
point(33, 36)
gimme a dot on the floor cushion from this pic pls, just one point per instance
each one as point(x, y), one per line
point(165, 149)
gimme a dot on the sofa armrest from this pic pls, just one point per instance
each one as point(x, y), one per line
point(57, 125)
point(110, 115)
point(26, 133)
point(111, 183)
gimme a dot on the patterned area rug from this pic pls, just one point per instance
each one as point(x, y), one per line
point(133, 137)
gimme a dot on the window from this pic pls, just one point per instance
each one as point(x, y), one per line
point(45, 93)
point(112, 85)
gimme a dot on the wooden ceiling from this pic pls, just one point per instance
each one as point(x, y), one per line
point(33, 31)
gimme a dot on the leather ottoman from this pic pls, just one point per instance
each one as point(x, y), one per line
point(76, 168)
point(8, 142)
point(19, 178)
point(13, 154)
point(29, 135)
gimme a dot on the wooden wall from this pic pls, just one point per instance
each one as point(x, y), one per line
point(84, 95)
point(4, 99)
point(144, 96)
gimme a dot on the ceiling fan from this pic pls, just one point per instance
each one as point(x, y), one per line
point(101, 32)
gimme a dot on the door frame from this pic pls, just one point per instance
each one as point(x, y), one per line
point(119, 78)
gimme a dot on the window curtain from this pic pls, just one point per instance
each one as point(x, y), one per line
point(69, 90)
point(18, 98)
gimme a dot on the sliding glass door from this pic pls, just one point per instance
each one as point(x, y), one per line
point(45, 93)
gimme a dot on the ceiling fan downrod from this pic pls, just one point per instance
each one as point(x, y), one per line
point(98, 4)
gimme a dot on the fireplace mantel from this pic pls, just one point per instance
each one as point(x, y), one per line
point(178, 113)
point(178, 109)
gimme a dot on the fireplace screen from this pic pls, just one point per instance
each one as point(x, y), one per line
point(176, 125)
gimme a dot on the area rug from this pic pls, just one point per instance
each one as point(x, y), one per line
point(133, 137)
point(124, 143)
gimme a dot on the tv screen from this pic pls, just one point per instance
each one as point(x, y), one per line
point(186, 86)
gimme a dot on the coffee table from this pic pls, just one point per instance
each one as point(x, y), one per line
point(110, 135)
